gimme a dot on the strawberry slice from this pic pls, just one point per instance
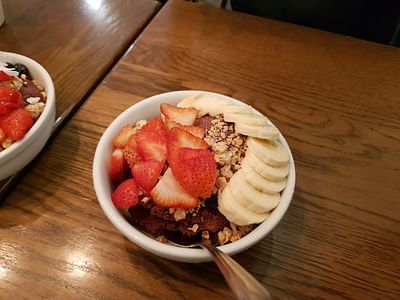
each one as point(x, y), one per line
point(154, 125)
point(194, 130)
point(131, 155)
point(10, 99)
point(123, 137)
point(16, 123)
point(146, 174)
point(169, 193)
point(3, 136)
point(152, 145)
point(126, 194)
point(196, 171)
point(178, 138)
point(117, 166)
point(184, 116)
point(5, 77)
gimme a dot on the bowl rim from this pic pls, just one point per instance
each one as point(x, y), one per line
point(151, 244)
point(48, 84)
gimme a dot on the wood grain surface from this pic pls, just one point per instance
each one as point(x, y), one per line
point(336, 99)
point(77, 41)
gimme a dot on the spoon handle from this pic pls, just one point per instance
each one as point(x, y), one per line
point(241, 282)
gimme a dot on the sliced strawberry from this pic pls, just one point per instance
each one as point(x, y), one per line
point(196, 171)
point(10, 99)
point(131, 155)
point(169, 193)
point(117, 166)
point(126, 194)
point(5, 77)
point(16, 123)
point(154, 125)
point(3, 135)
point(178, 138)
point(152, 145)
point(123, 137)
point(146, 174)
point(182, 115)
point(194, 130)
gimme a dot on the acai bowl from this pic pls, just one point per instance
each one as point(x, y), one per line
point(27, 111)
point(143, 224)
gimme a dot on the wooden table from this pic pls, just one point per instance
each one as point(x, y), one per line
point(77, 41)
point(336, 99)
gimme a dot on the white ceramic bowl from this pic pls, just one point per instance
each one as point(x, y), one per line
point(146, 109)
point(19, 154)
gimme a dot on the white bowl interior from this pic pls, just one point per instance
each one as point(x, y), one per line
point(40, 127)
point(146, 109)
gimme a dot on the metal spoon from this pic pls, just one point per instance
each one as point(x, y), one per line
point(241, 282)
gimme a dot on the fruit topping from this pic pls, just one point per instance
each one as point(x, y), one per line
point(184, 116)
point(146, 174)
point(169, 193)
point(117, 166)
point(5, 77)
point(16, 123)
point(126, 194)
point(10, 99)
point(152, 145)
point(196, 171)
point(123, 137)
point(194, 130)
point(178, 138)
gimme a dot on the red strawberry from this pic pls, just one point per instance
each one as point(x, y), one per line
point(123, 137)
point(10, 99)
point(3, 136)
point(117, 166)
point(194, 130)
point(146, 174)
point(126, 194)
point(131, 155)
point(5, 77)
point(178, 138)
point(16, 124)
point(152, 145)
point(169, 193)
point(182, 115)
point(196, 171)
point(154, 125)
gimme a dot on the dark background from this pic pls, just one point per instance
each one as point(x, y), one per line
point(376, 21)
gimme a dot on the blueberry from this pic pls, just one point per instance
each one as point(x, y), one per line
point(21, 69)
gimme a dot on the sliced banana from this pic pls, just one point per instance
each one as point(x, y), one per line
point(268, 132)
point(270, 152)
point(235, 212)
point(250, 197)
point(261, 183)
point(249, 119)
point(265, 170)
point(235, 109)
point(208, 104)
point(188, 101)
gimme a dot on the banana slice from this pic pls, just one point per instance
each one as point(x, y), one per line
point(236, 109)
point(265, 170)
point(235, 212)
point(261, 183)
point(268, 132)
point(188, 101)
point(250, 197)
point(208, 104)
point(270, 152)
point(249, 119)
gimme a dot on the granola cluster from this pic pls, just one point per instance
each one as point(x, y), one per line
point(229, 150)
